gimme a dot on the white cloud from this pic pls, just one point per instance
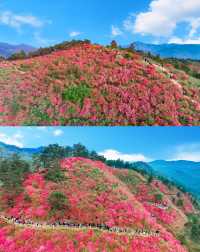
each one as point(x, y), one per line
point(18, 135)
point(57, 132)
point(15, 139)
point(115, 155)
point(17, 21)
point(74, 34)
point(115, 31)
point(163, 17)
point(190, 152)
point(195, 24)
point(176, 40)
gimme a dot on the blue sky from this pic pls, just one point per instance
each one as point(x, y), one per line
point(46, 22)
point(128, 143)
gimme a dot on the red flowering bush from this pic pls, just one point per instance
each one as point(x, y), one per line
point(93, 85)
point(161, 208)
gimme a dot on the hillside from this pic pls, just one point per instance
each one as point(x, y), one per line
point(93, 207)
point(171, 50)
point(95, 197)
point(185, 173)
point(6, 50)
point(89, 84)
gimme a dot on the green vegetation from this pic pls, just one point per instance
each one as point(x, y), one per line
point(100, 188)
point(191, 234)
point(129, 179)
point(150, 179)
point(158, 197)
point(179, 203)
point(55, 175)
point(95, 173)
point(188, 66)
point(50, 156)
point(58, 201)
point(15, 107)
point(114, 44)
point(48, 50)
point(18, 55)
point(12, 173)
point(76, 94)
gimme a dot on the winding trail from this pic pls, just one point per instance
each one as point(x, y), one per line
point(83, 227)
point(176, 83)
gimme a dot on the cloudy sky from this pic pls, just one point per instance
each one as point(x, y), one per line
point(45, 22)
point(127, 143)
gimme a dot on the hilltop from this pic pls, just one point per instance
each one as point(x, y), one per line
point(84, 84)
point(75, 203)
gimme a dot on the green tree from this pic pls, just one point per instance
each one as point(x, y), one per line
point(179, 203)
point(80, 150)
point(150, 179)
point(114, 44)
point(158, 197)
point(51, 155)
point(12, 173)
point(18, 55)
point(195, 232)
point(58, 201)
point(55, 175)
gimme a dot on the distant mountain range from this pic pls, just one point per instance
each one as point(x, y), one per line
point(185, 173)
point(7, 150)
point(7, 50)
point(185, 51)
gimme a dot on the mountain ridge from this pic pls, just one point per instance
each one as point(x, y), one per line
point(8, 149)
point(186, 173)
point(6, 49)
point(179, 51)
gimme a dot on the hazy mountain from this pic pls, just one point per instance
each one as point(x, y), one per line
point(7, 150)
point(143, 166)
point(186, 173)
point(7, 50)
point(171, 50)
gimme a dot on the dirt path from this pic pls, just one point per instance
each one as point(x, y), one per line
point(176, 83)
point(75, 227)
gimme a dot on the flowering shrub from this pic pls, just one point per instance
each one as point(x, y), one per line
point(28, 240)
point(160, 208)
point(93, 85)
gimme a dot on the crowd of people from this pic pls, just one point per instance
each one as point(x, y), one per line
point(69, 224)
point(160, 206)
